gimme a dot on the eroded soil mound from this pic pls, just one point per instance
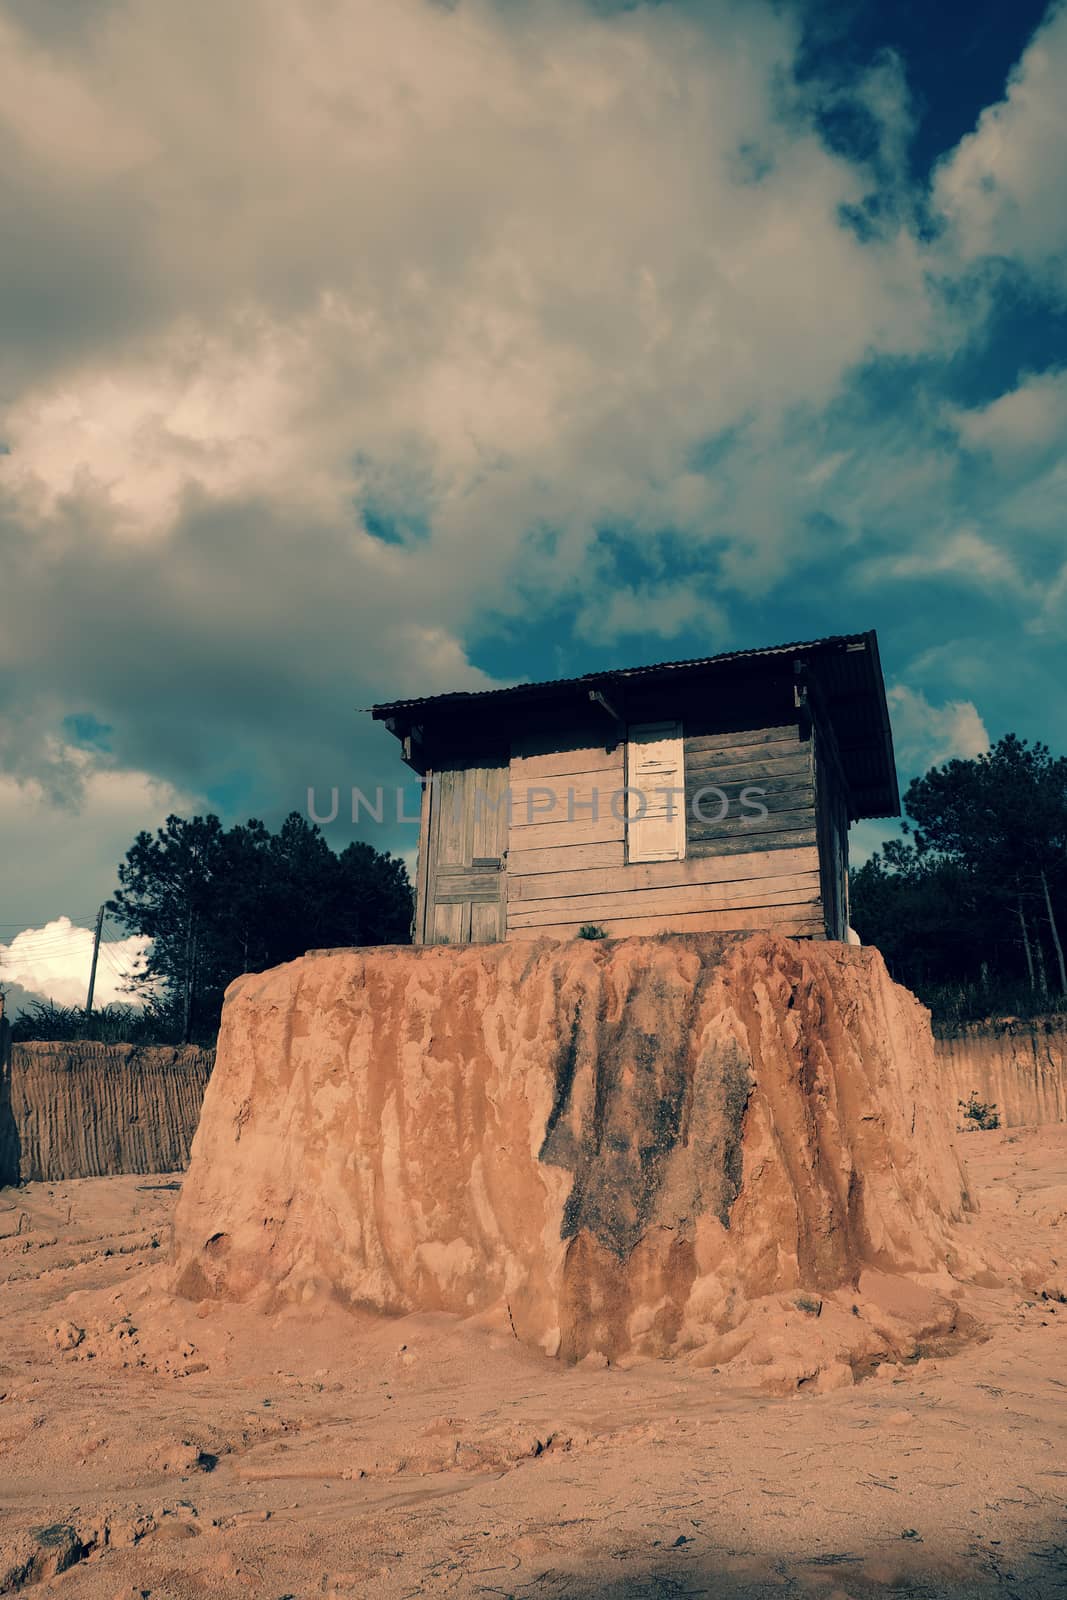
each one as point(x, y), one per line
point(620, 1148)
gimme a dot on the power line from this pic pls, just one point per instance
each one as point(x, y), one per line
point(46, 922)
point(64, 946)
point(113, 961)
point(120, 979)
point(43, 917)
point(51, 947)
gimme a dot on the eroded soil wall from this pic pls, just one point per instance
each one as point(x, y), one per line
point(1020, 1066)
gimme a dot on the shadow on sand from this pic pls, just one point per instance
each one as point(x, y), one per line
point(1029, 1574)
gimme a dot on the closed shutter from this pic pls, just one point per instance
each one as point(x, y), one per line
point(655, 820)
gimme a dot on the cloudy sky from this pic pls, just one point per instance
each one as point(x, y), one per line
point(354, 349)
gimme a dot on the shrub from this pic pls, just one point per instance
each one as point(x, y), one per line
point(591, 930)
point(978, 1115)
point(155, 1023)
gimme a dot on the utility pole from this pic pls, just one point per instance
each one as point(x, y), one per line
point(96, 954)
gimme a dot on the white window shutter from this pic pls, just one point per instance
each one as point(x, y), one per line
point(655, 830)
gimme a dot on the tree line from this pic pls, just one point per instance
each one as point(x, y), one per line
point(968, 908)
point(216, 902)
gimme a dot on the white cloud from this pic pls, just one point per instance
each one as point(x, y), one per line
point(825, 469)
point(927, 735)
point(1023, 434)
point(1031, 417)
point(54, 962)
point(1053, 611)
point(659, 611)
point(964, 555)
point(507, 255)
point(206, 415)
point(69, 843)
point(1003, 189)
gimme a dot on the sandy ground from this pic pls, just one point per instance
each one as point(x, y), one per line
point(155, 1447)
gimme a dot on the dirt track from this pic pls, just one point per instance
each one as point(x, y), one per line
point(175, 1450)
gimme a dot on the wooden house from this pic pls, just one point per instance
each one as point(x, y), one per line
point(696, 795)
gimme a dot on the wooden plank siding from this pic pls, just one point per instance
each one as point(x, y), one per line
point(564, 858)
point(799, 927)
point(553, 835)
point(572, 796)
point(561, 763)
point(797, 890)
point(728, 872)
point(739, 872)
point(779, 762)
point(743, 872)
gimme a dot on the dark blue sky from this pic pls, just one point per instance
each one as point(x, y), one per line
point(956, 55)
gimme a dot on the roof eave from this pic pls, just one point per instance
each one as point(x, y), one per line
point(590, 679)
point(401, 714)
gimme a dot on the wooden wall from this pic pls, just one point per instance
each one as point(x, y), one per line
point(743, 873)
point(780, 762)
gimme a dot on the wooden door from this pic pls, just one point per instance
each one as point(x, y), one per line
point(465, 836)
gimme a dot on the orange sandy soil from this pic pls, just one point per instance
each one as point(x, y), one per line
point(159, 1448)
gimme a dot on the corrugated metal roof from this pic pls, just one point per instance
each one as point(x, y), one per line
point(848, 672)
point(389, 707)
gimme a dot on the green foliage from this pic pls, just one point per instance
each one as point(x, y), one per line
point(954, 1004)
point(112, 1024)
point(218, 902)
point(967, 908)
point(979, 1114)
point(590, 930)
point(1004, 812)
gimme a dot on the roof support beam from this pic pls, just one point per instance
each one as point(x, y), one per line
point(600, 699)
point(411, 751)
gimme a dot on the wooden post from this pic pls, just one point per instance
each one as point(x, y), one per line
point(96, 956)
point(1055, 933)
